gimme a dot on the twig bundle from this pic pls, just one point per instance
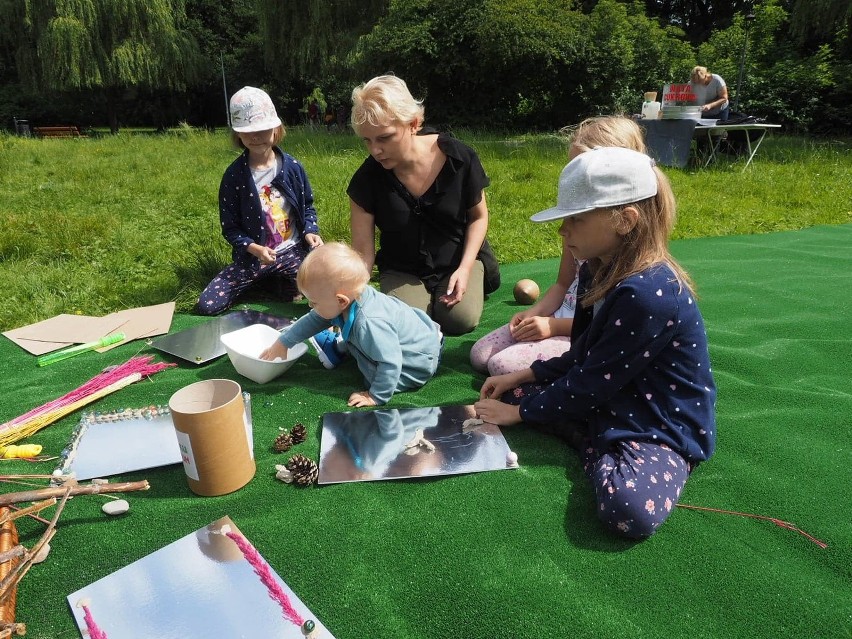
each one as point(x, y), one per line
point(8, 541)
point(99, 386)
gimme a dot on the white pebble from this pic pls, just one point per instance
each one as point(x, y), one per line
point(42, 554)
point(100, 482)
point(512, 459)
point(117, 507)
point(283, 474)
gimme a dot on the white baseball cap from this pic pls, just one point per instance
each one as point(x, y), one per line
point(252, 110)
point(602, 178)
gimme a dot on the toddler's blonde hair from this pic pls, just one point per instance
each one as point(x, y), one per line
point(334, 264)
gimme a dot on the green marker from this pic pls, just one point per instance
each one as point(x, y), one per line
point(58, 356)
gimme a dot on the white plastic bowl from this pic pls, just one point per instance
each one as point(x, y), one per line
point(245, 346)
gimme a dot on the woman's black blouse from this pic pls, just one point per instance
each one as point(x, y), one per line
point(422, 236)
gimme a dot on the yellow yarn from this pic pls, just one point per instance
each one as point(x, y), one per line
point(24, 451)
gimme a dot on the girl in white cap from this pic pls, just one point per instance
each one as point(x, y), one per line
point(634, 393)
point(266, 206)
point(544, 330)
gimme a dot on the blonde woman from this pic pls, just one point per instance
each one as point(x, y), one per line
point(424, 193)
point(712, 93)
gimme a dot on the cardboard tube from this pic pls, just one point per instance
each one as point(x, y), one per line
point(213, 434)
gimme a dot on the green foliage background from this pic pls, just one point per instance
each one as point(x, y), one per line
point(510, 64)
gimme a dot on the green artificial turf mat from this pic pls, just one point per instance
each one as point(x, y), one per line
point(519, 553)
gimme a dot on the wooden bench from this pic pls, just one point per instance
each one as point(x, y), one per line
point(57, 132)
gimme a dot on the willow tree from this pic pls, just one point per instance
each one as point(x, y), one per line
point(310, 37)
point(102, 45)
point(821, 18)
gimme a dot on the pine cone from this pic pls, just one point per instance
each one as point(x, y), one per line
point(304, 470)
point(299, 433)
point(283, 442)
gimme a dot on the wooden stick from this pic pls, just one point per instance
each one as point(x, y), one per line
point(8, 540)
point(10, 582)
point(7, 515)
point(13, 553)
point(90, 489)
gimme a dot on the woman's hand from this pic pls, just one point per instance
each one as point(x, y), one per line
point(494, 412)
point(532, 329)
point(313, 240)
point(456, 288)
point(274, 352)
point(361, 398)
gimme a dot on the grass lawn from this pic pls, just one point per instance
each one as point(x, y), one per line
point(98, 224)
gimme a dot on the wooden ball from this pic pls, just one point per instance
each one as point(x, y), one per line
point(526, 292)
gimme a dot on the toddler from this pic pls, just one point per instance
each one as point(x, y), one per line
point(397, 347)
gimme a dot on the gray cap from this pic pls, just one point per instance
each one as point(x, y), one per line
point(601, 178)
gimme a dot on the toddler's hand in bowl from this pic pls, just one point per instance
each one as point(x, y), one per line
point(276, 351)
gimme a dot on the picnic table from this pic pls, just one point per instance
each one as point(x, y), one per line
point(670, 141)
point(716, 133)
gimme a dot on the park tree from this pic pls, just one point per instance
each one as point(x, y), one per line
point(820, 18)
point(229, 41)
point(309, 37)
point(527, 63)
point(698, 18)
point(102, 46)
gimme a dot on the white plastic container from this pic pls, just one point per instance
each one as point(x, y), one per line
point(245, 345)
point(650, 110)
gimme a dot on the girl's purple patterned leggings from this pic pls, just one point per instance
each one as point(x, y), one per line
point(233, 280)
point(637, 484)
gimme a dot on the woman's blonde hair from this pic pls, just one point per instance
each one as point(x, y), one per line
point(279, 134)
point(609, 130)
point(646, 244)
point(699, 74)
point(334, 264)
point(383, 101)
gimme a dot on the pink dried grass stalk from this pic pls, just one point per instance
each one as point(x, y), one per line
point(266, 577)
point(94, 631)
point(99, 386)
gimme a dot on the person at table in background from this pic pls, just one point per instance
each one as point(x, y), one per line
point(712, 94)
point(266, 206)
point(396, 347)
point(544, 330)
point(635, 393)
point(424, 192)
